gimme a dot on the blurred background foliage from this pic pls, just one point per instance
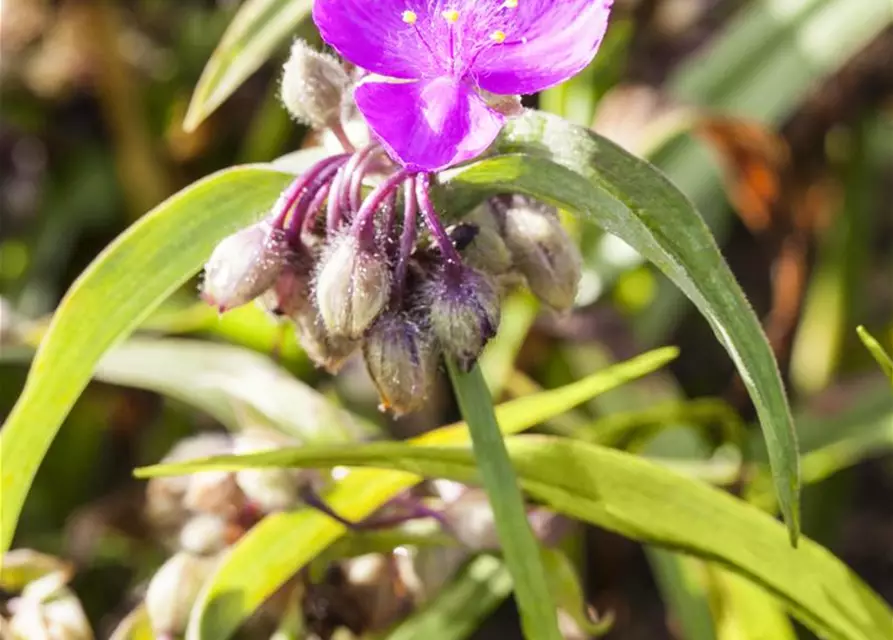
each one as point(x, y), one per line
point(774, 116)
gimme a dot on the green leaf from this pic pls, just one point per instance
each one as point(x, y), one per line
point(135, 626)
point(539, 618)
point(642, 501)
point(460, 607)
point(222, 379)
point(258, 29)
point(568, 593)
point(746, 612)
point(877, 351)
point(281, 544)
point(583, 173)
point(109, 300)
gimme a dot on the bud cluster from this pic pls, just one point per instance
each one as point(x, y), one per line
point(200, 515)
point(355, 255)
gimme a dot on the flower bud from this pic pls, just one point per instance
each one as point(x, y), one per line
point(508, 105)
point(204, 534)
point(352, 287)
point(401, 362)
point(60, 617)
point(269, 489)
point(291, 291)
point(464, 308)
point(326, 351)
point(165, 508)
point(244, 265)
point(485, 250)
point(313, 84)
point(174, 589)
point(214, 492)
point(542, 251)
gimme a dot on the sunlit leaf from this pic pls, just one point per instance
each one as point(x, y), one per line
point(121, 287)
point(281, 544)
point(637, 499)
point(519, 547)
point(588, 175)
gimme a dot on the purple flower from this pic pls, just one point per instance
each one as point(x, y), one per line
point(440, 55)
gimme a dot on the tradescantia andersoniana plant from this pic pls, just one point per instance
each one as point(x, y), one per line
point(434, 193)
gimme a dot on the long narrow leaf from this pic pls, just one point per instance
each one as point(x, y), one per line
point(583, 173)
point(520, 549)
point(640, 500)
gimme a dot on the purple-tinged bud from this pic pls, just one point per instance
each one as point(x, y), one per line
point(313, 84)
point(326, 351)
point(244, 265)
point(291, 291)
point(508, 105)
point(352, 287)
point(485, 249)
point(542, 251)
point(174, 589)
point(464, 308)
point(402, 362)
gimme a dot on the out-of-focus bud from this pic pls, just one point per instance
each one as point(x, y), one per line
point(269, 489)
point(326, 351)
point(464, 308)
point(174, 589)
point(48, 610)
point(165, 507)
point(470, 518)
point(244, 265)
point(214, 492)
point(401, 361)
point(484, 248)
point(313, 84)
point(375, 582)
point(204, 534)
point(542, 251)
point(352, 287)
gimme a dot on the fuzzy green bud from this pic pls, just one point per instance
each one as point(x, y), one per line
point(401, 361)
point(352, 287)
point(313, 84)
point(464, 311)
point(542, 251)
point(326, 351)
point(484, 249)
point(244, 265)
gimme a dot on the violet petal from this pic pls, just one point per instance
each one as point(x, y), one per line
point(374, 36)
point(430, 124)
point(546, 42)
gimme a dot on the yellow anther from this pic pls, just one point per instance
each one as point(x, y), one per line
point(451, 16)
point(510, 4)
point(498, 37)
point(410, 17)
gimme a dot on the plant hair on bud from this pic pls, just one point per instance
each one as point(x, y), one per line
point(313, 85)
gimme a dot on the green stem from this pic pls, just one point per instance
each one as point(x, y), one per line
point(519, 547)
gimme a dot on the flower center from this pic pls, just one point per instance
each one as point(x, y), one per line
point(464, 33)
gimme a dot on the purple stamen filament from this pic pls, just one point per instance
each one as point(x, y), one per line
point(296, 189)
point(362, 224)
point(432, 219)
point(407, 239)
